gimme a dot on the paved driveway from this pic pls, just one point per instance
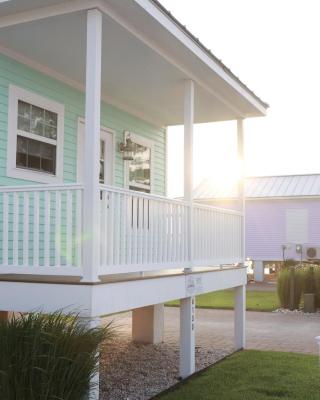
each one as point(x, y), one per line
point(265, 331)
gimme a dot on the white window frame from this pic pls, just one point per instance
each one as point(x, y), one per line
point(15, 94)
point(142, 141)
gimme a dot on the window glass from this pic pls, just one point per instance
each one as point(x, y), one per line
point(102, 152)
point(37, 120)
point(36, 155)
point(33, 154)
point(139, 169)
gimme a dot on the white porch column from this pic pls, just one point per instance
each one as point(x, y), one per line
point(258, 270)
point(148, 324)
point(91, 193)
point(188, 160)
point(187, 337)
point(240, 292)
point(240, 317)
point(241, 187)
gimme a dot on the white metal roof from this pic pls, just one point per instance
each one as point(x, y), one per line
point(262, 187)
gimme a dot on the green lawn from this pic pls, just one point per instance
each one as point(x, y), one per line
point(256, 300)
point(254, 375)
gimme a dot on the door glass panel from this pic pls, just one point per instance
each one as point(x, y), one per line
point(102, 161)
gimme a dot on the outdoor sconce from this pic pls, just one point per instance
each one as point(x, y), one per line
point(127, 148)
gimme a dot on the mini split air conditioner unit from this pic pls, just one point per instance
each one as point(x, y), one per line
point(313, 253)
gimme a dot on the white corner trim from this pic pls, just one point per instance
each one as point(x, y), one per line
point(16, 93)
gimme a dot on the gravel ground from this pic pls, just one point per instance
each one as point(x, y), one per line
point(132, 371)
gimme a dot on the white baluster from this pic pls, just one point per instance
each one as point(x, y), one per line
point(36, 222)
point(26, 229)
point(5, 237)
point(47, 229)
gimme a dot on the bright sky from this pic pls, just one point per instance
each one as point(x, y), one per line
point(273, 46)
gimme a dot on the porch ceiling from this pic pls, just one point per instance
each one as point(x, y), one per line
point(143, 64)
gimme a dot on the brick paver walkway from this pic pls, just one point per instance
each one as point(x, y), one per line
point(265, 331)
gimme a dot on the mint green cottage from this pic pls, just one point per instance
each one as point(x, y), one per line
point(87, 91)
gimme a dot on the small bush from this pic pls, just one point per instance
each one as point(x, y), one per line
point(289, 262)
point(48, 357)
point(309, 280)
point(284, 287)
point(317, 285)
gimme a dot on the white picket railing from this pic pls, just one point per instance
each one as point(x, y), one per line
point(41, 229)
point(142, 232)
point(217, 236)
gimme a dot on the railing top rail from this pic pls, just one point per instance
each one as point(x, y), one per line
point(142, 195)
point(220, 209)
point(40, 187)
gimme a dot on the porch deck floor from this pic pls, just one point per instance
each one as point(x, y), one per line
point(105, 279)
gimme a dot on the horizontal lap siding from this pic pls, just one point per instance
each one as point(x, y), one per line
point(12, 72)
point(266, 227)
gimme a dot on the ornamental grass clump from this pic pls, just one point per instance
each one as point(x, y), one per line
point(290, 287)
point(48, 356)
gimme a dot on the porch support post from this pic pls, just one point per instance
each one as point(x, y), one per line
point(258, 270)
point(148, 324)
point(239, 317)
point(4, 315)
point(91, 192)
point(240, 291)
point(187, 336)
point(188, 161)
point(241, 187)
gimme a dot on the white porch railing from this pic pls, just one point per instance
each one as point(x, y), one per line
point(142, 232)
point(217, 236)
point(41, 231)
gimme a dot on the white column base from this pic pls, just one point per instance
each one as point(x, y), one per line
point(258, 271)
point(239, 317)
point(148, 324)
point(187, 337)
point(94, 390)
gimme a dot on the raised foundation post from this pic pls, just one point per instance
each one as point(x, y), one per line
point(4, 315)
point(148, 324)
point(187, 336)
point(239, 317)
point(258, 271)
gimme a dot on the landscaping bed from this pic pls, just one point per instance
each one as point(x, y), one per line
point(254, 375)
point(130, 371)
point(257, 300)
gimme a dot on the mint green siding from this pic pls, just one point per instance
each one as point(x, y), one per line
point(12, 72)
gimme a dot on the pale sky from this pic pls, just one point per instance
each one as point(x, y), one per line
point(273, 46)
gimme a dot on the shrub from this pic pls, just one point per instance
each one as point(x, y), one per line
point(309, 280)
point(46, 357)
point(289, 262)
point(317, 285)
point(284, 287)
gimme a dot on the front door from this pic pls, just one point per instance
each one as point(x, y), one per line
point(106, 155)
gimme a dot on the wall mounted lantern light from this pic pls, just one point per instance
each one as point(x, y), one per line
point(127, 148)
